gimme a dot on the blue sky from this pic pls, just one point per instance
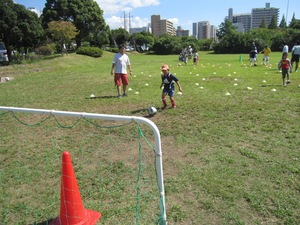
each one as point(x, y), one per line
point(182, 13)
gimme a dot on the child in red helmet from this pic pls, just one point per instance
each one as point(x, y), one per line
point(168, 81)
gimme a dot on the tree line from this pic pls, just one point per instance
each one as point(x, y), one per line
point(66, 22)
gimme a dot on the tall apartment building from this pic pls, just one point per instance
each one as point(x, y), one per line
point(195, 30)
point(201, 30)
point(260, 14)
point(242, 22)
point(159, 26)
point(213, 32)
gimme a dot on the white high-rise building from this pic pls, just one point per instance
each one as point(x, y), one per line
point(260, 14)
point(203, 30)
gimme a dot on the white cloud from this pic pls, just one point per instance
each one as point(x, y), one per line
point(175, 21)
point(115, 22)
point(113, 12)
point(111, 7)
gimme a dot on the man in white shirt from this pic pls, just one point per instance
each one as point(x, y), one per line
point(119, 64)
point(296, 55)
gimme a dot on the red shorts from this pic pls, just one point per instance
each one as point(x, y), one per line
point(121, 79)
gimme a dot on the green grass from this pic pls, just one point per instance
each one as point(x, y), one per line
point(228, 159)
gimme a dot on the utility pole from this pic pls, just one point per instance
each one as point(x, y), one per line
point(129, 23)
point(287, 10)
point(125, 21)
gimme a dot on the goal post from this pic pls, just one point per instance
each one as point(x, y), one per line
point(140, 120)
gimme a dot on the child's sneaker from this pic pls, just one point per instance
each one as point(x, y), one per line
point(164, 107)
point(174, 106)
point(288, 81)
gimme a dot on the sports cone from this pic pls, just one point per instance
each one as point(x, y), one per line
point(72, 211)
point(241, 58)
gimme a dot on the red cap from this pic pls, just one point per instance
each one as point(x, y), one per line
point(165, 67)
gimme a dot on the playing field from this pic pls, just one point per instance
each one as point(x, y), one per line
point(230, 148)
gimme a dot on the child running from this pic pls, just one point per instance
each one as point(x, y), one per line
point(285, 66)
point(168, 81)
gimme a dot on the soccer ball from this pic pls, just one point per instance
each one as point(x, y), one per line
point(152, 111)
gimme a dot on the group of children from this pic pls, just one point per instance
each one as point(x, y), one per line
point(253, 55)
point(285, 64)
point(188, 53)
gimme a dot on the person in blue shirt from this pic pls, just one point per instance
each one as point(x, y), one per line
point(168, 81)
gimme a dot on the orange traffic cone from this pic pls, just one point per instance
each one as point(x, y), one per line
point(72, 211)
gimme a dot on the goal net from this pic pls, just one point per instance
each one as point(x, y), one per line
point(117, 162)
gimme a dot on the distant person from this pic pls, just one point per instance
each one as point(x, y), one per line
point(285, 66)
point(253, 54)
point(295, 55)
point(185, 58)
point(168, 81)
point(195, 57)
point(64, 49)
point(253, 47)
point(266, 51)
point(285, 48)
point(119, 64)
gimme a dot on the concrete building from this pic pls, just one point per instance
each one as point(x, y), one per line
point(139, 30)
point(181, 32)
point(260, 14)
point(213, 32)
point(242, 22)
point(195, 30)
point(159, 26)
point(201, 30)
point(246, 21)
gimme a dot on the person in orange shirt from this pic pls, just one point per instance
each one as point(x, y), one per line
point(285, 66)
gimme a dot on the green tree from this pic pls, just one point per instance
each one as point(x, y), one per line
point(225, 28)
point(229, 39)
point(263, 24)
point(167, 44)
point(189, 41)
point(100, 38)
point(282, 23)
point(278, 40)
point(62, 31)
point(119, 36)
point(294, 24)
point(86, 15)
point(19, 27)
point(273, 23)
point(142, 38)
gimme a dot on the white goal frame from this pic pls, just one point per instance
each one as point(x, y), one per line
point(157, 148)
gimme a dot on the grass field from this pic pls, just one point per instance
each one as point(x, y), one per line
point(230, 148)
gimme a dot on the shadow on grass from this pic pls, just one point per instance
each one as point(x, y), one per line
point(107, 96)
point(271, 85)
point(143, 111)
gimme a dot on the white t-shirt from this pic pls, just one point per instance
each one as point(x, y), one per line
point(285, 49)
point(121, 62)
point(296, 50)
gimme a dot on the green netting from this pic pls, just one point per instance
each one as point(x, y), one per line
point(114, 163)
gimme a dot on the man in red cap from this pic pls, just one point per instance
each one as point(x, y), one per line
point(168, 81)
